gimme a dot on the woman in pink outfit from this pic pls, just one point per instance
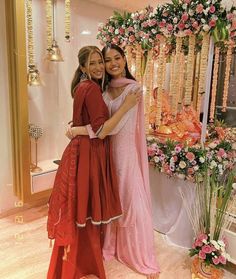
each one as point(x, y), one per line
point(131, 238)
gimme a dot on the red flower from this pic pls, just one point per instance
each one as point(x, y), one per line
point(181, 25)
point(212, 23)
point(190, 156)
point(184, 17)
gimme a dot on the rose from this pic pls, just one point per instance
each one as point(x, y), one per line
point(202, 237)
point(188, 32)
point(132, 38)
point(162, 24)
point(222, 259)
point(199, 8)
point(216, 260)
point(121, 31)
point(169, 27)
point(184, 17)
point(207, 249)
point(202, 255)
point(181, 25)
point(212, 23)
point(190, 156)
point(212, 9)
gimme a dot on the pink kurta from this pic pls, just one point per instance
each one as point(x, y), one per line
point(131, 239)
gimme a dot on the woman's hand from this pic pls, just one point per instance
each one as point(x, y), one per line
point(71, 132)
point(132, 98)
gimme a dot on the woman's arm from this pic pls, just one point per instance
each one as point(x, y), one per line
point(112, 125)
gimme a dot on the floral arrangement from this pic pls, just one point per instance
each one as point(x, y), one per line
point(179, 18)
point(188, 162)
point(209, 250)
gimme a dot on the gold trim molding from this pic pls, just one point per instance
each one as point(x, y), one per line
point(18, 96)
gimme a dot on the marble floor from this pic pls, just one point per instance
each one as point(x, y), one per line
point(25, 252)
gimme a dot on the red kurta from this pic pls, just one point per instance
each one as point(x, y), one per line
point(85, 193)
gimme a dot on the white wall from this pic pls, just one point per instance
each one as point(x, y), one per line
point(7, 198)
point(50, 106)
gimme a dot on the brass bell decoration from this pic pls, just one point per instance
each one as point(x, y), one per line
point(54, 53)
point(33, 77)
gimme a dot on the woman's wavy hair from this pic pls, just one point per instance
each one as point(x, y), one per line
point(84, 56)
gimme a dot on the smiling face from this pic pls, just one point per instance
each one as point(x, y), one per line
point(114, 63)
point(95, 66)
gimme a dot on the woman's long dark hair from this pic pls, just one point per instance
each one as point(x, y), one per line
point(84, 58)
point(120, 50)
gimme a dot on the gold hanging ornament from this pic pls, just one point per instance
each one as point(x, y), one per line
point(67, 20)
point(54, 52)
point(33, 76)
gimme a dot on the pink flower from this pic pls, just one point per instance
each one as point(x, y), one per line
point(178, 148)
point(111, 29)
point(212, 23)
point(198, 243)
point(121, 31)
point(158, 36)
point(195, 24)
point(169, 27)
point(221, 153)
point(153, 22)
point(191, 171)
point(207, 249)
point(162, 24)
point(130, 29)
point(141, 17)
point(199, 8)
point(202, 255)
point(216, 261)
point(151, 151)
point(212, 9)
point(132, 38)
point(181, 25)
point(222, 259)
point(144, 24)
point(233, 24)
point(115, 40)
point(230, 16)
point(187, 32)
point(187, 1)
point(202, 237)
point(184, 17)
point(190, 156)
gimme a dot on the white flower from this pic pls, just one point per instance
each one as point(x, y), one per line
point(154, 31)
point(156, 159)
point(175, 20)
point(221, 243)
point(191, 12)
point(184, 6)
point(203, 20)
point(196, 168)
point(234, 186)
point(215, 244)
point(116, 31)
point(228, 4)
point(201, 159)
point(204, 241)
point(206, 27)
point(182, 164)
point(213, 164)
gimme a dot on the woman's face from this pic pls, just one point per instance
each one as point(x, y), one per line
point(114, 63)
point(96, 67)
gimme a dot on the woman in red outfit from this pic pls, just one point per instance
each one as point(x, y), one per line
point(85, 193)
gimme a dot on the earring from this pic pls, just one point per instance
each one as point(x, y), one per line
point(124, 73)
point(83, 77)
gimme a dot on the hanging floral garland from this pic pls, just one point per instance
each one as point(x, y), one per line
point(148, 83)
point(190, 71)
point(203, 68)
point(33, 73)
point(227, 75)
point(49, 12)
point(67, 20)
point(214, 83)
